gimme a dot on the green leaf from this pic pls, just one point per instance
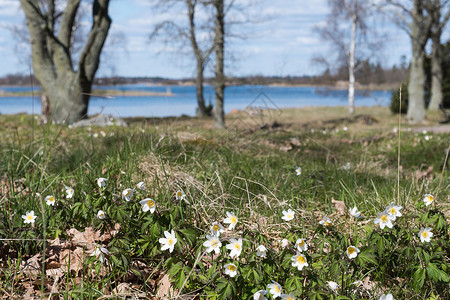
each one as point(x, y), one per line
point(436, 274)
point(419, 278)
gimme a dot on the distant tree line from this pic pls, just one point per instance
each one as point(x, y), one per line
point(368, 74)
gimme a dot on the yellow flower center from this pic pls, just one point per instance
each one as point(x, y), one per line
point(179, 194)
point(30, 217)
point(170, 241)
point(276, 288)
point(393, 211)
point(430, 198)
point(289, 216)
point(127, 192)
point(384, 218)
point(232, 268)
point(233, 219)
point(216, 227)
point(327, 223)
point(51, 199)
point(351, 250)
point(237, 246)
point(301, 243)
point(425, 234)
point(214, 243)
point(301, 259)
point(150, 203)
point(289, 298)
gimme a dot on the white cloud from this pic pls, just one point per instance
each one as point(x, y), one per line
point(9, 8)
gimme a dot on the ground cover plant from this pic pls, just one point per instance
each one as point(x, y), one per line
point(284, 205)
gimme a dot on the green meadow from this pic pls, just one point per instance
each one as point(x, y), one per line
point(185, 175)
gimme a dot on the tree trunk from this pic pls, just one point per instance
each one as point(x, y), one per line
point(219, 84)
point(416, 101)
point(419, 33)
point(436, 75)
point(67, 89)
point(436, 59)
point(200, 57)
point(351, 69)
point(201, 110)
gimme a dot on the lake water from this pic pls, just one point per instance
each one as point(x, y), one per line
point(184, 101)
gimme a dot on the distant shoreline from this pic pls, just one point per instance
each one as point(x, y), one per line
point(168, 93)
point(99, 93)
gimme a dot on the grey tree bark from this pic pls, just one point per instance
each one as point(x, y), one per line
point(219, 82)
point(436, 72)
point(67, 88)
point(419, 31)
point(435, 9)
point(201, 58)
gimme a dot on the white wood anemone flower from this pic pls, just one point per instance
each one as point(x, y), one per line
point(99, 252)
point(260, 295)
point(50, 200)
point(387, 297)
point(101, 214)
point(261, 251)
point(148, 205)
point(141, 186)
point(231, 219)
point(298, 171)
point(425, 234)
point(69, 192)
point(352, 252)
point(275, 289)
point(428, 199)
point(326, 221)
point(235, 246)
point(212, 243)
point(301, 245)
point(29, 217)
point(230, 269)
point(180, 195)
point(332, 285)
point(384, 219)
point(127, 194)
point(287, 297)
point(394, 210)
point(217, 229)
point(169, 241)
point(101, 182)
point(354, 212)
point(288, 215)
point(299, 261)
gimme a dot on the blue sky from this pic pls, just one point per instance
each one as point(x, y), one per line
point(282, 45)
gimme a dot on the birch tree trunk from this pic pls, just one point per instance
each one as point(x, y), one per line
point(219, 84)
point(351, 68)
point(66, 88)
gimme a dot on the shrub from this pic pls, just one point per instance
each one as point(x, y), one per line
point(395, 100)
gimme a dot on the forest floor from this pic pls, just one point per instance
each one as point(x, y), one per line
point(96, 243)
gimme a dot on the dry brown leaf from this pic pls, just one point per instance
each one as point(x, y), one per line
point(339, 206)
point(32, 266)
point(164, 288)
point(75, 258)
point(122, 288)
point(87, 237)
point(367, 284)
point(295, 142)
